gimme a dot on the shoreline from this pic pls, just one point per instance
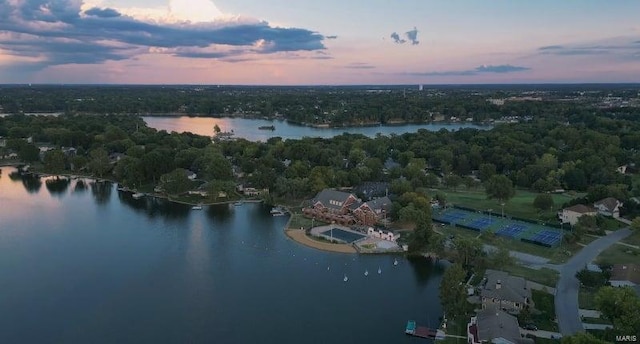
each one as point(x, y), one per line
point(299, 236)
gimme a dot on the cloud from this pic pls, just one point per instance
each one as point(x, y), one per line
point(484, 69)
point(102, 13)
point(500, 69)
point(611, 46)
point(412, 35)
point(359, 65)
point(409, 36)
point(396, 38)
point(54, 32)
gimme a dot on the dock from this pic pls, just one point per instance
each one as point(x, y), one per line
point(423, 332)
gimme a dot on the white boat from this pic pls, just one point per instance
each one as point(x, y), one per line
point(379, 270)
point(137, 195)
point(196, 207)
point(395, 262)
point(238, 203)
point(366, 272)
point(277, 212)
point(345, 278)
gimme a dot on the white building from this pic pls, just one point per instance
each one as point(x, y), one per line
point(608, 207)
point(573, 213)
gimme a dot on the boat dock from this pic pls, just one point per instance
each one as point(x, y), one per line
point(423, 332)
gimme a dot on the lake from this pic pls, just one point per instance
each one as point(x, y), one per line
point(248, 128)
point(93, 265)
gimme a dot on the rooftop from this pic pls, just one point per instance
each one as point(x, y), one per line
point(626, 272)
point(580, 208)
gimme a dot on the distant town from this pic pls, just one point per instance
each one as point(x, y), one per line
point(537, 217)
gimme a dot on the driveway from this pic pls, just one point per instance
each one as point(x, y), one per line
point(566, 300)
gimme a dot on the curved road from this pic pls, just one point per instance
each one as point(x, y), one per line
point(566, 298)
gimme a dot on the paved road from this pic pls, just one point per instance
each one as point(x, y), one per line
point(566, 299)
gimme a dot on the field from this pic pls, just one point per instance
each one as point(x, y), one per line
point(619, 254)
point(633, 239)
point(521, 205)
point(543, 276)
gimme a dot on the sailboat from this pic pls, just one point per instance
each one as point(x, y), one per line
point(345, 278)
point(379, 270)
point(328, 268)
point(395, 262)
point(366, 272)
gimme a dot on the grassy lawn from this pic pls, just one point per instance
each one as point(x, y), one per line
point(633, 239)
point(586, 299)
point(521, 205)
point(543, 276)
point(619, 254)
point(297, 221)
point(546, 312)
point(458, 328)
point(596, 321)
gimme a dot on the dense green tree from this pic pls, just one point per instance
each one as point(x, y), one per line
point(468, 250)
point(175, 182)
point(453, 294)
point(500, 258)
point(54, 161)
point(99, 163)
point(499, 187)
point(635, 224)
point(543, 201)
point(620, 305)
point(593, 279)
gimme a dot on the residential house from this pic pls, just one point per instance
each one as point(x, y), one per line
point(625, 275)
point(573, 213)
point(3, 142)
point(369, 213)
point(252, 192)
point(191, 175)
point(492, 325)
point(506, 292)
point(371, 190)
point(333, 206)
point(115, 157)
point(608, 207)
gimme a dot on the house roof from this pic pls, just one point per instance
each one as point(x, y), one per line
point(494, 324)
point(378, 204)
point(580, 208)
point(512, 288)
point(626, 272)
point(608, 203)
point(332, 199)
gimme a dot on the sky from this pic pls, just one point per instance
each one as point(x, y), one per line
point(328, 42)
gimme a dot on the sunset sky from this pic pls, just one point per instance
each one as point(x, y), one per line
point(286, 42)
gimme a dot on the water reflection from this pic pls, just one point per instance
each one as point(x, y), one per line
point(80, 186)
point(57, 186)
point(220, 213)
point(31, 182)
point(101, 191)
point(155, 207)
point(423, 268)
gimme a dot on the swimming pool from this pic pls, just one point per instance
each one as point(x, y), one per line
point(342, 235)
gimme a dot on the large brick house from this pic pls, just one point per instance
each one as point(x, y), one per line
point(345, 208)
point(505, 292)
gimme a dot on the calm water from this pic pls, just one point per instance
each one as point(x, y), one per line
point(92, 265)
point(248, 128)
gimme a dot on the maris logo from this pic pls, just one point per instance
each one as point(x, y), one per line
point(626, 338)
